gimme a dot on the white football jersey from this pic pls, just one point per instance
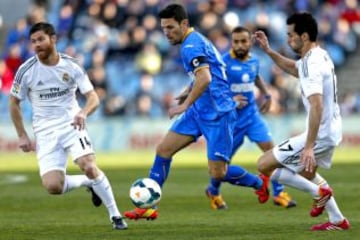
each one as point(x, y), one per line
point(51, 91)
point(317, 76)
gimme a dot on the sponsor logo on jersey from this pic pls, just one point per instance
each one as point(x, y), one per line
point(236, 68)
point(15, 89)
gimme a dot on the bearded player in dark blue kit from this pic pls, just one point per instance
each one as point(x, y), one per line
point(208, 109)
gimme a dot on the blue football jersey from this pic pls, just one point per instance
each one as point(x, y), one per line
point(241, 76)
point(196, 52)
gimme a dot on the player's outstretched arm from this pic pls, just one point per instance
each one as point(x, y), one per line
point(16, 116)
point(286, 64)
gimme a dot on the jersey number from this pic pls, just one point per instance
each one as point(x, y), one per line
point(84, 142)
point(284, 147)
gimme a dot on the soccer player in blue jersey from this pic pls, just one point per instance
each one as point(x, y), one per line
point(208, 110)
point(242, 69)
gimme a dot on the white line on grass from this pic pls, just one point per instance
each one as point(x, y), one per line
point(12, 179)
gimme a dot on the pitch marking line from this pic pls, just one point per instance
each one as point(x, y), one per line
point(13, 179)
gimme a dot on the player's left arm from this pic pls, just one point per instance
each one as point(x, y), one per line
point(266, 102)
point(92, 102)
point(315, 113)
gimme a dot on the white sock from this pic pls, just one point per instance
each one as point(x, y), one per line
point(75, 181)
point(292, 179)
point(102, 188)
point(331, 207)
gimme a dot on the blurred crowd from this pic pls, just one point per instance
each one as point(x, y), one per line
point(134, 69)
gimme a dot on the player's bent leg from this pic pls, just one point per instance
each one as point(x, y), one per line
point(142, 213)
point(88, 166)
point(101, 190)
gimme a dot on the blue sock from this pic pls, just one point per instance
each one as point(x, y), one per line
point(237, 175)
point(160, 169)
point(214, 186)
point(277, 187)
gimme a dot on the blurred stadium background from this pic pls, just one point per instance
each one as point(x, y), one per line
point(137, 74)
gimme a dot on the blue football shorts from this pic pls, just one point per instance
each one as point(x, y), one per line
point(255, 129)
point(218, 132)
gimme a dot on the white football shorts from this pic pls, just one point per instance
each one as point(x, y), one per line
point(53, 149)
point(288, 153)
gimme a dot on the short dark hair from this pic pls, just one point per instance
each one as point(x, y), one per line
point(43, 26)
point(304, 23)
point(175, 11)
point(240, 29)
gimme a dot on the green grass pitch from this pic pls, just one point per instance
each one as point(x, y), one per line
point(28, 212)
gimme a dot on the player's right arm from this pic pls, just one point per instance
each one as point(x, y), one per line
point(17, 119)
point(286, 64)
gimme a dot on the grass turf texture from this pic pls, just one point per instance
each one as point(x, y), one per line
point(28, 212)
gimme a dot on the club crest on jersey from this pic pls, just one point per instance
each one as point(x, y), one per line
point(66, 77)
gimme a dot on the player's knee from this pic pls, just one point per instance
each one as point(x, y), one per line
point(263, 166)
point(91, 170)
point(217, 174)
point(53, 187)
point(164, 150)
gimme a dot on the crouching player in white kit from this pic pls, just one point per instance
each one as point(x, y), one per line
point(50, 80)
point(294, 162)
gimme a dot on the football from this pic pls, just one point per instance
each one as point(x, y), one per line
point(145, 193)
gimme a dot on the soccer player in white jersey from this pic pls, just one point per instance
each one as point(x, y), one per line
point(50, 80)
point(294, 161)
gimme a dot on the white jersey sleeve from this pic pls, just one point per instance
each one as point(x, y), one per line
point(82, 80)
point(19, 87)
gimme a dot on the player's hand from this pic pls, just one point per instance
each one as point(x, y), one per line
point(25, 144)
point(240, 100)
point(79, 121)
point(261, 38)
point(265, 104)
point(181, 98)
point(307, 158)
point(176, 110)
